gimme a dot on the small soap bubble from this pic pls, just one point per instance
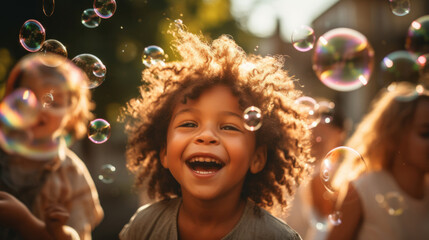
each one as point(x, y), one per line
point(90, 19)
point(252, 117)
point(48, 7)
point(179, 24)
point(343, 59)
point(99, 131)
point(93, 67)
point(400, 7)
point(335, 218)
point(333, 165)
point(310, 108)
point(105, 8)
point(392, 202)
point(32, 35)
point(47, 100)
point(399, 66)
point(107, 173)
point(53, 46)
point(19, 109)
point(303, 38)
point(417, 39)
point(153, 55)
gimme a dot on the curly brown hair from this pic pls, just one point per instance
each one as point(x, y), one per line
point(255, 80)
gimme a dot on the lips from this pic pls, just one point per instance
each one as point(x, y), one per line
point(204, 164)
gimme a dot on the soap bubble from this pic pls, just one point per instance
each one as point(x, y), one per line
point(343, 59)
point(90, 19)
point(252, 118)
point(19, 109)
point(53, 46)
point(400, 7)
point(417, 39)
point(153, 55)
point(93, 67)
point(107, 173)
point(399, 66)
point(105, 8)
point(32, 35)
point(99, 131)
point(303, 38)
point(309, 107)
point(392, 202)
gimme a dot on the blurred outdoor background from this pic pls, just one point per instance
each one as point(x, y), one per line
point(261, 27)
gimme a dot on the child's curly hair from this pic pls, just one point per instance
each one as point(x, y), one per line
point(255, 80)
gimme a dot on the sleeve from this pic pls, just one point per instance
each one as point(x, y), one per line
point(84, 204)
point(129, 231)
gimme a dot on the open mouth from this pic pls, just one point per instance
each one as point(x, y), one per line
point(204, 165)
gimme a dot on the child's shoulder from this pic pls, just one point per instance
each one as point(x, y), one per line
point(159, 220)
point(257, 223)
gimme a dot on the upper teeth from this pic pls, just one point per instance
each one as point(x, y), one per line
point(204, 159)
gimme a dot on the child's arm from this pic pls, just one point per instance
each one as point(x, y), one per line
point(15, 215)
point(56, 217)
point(352, 217)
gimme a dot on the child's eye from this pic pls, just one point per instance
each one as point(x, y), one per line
point(188, 125)
point(229, 127)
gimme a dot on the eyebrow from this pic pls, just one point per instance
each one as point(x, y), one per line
point(186, 110)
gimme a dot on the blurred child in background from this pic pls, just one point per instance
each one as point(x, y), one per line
point(46, 191)
point(391, 199)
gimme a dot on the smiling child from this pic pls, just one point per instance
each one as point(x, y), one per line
point(189, 147)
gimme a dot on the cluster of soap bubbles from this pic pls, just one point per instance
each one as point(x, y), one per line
point(91, 17)
point(19, 109)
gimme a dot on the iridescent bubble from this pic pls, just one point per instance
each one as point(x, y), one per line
point(32, 35)
point(19, 109)
point(107, 173)
point(335, 218)
point(48, 7)
point(179, 24)
point(93, 67)
point(99, 131)
point(343, 59)
point(90, 19)
point(392, 202)
point(53, 46)
point(336, 164)
point(303, 38)
point(400, 7)
point(105, 8)
point(153, 55)
point(399, 66)
point(309, 107)
point(417, 39)
point(252, 117)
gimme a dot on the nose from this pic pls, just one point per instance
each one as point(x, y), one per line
point(207, 136)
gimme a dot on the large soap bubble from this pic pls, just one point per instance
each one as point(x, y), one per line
point(343, 59)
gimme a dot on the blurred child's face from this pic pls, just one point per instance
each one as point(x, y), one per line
point(208, 150)
point(416, 142)
point(53, 116)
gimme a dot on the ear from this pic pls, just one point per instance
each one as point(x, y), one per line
point(163, 157)
point(259, 159)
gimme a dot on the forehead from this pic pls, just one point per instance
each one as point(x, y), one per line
point(216, 97)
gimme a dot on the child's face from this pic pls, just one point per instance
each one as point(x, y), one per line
point(208, 150)
point(53, 116)
point(416, 141)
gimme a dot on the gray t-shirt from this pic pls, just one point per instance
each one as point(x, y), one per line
point(159, 221)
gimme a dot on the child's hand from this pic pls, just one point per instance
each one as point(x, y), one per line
point(56, 217)
point(13, 213)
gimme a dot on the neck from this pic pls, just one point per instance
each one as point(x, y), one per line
point(212, 211)
point(409, 178)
